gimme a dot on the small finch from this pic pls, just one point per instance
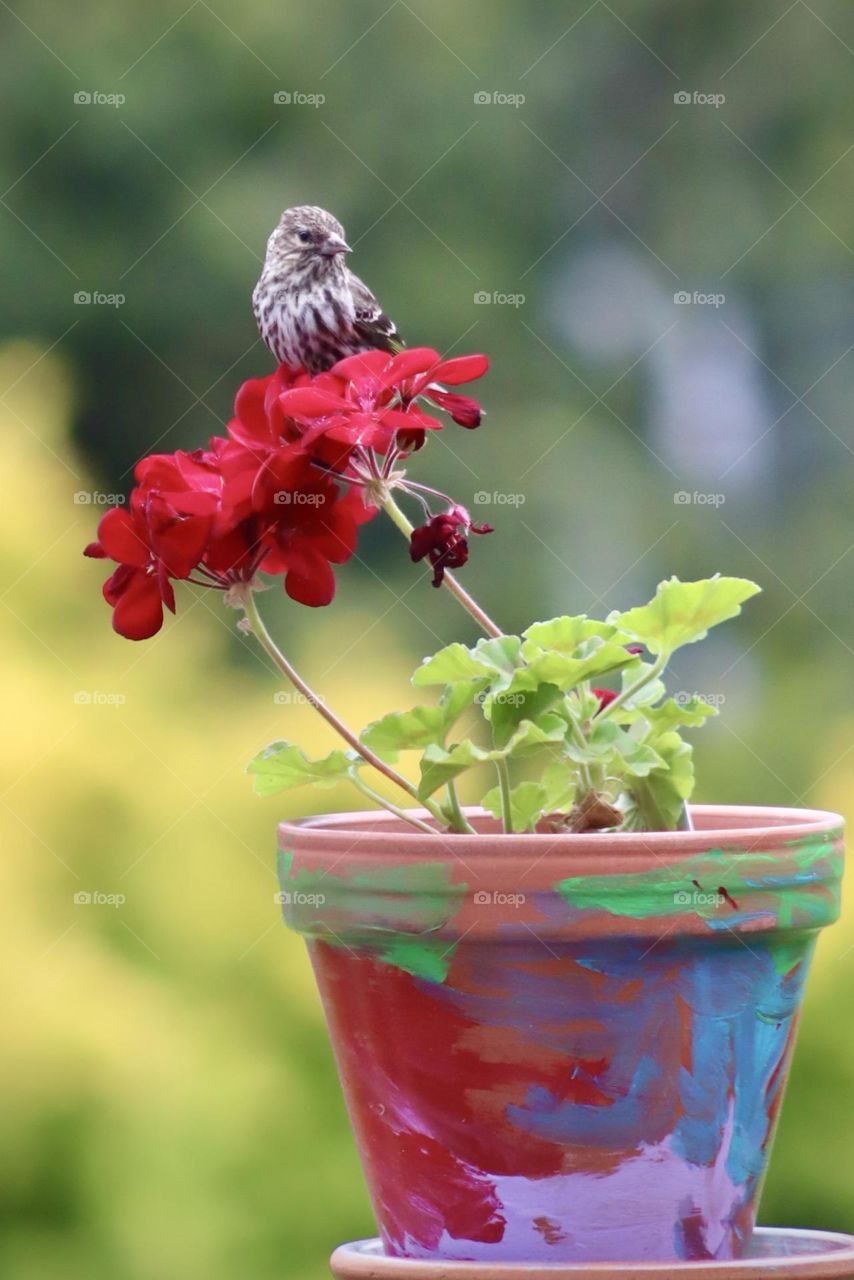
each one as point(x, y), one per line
point(310, 307)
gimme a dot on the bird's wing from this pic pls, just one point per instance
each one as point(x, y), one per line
point(371, 322)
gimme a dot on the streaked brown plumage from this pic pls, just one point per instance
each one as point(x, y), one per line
point(310, 307)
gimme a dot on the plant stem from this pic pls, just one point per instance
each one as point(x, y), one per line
point(480, 616)
point(580, 740)
point(455, 811)
point(268, 644)
point(392, 808)
point(654, 671)
point(504, 787)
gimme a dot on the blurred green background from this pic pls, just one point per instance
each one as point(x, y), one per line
point(662, 231)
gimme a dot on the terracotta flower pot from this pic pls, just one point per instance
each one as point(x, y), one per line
point(563, 1049)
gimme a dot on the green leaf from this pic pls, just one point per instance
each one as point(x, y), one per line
point(440, 765)
point(682, 612)
point(564, 635)
point(410, 730)
point(559, 782)
point(556, 668)
point(493, 659)
point(501, 655)
point(282, 766)
point(527, 803)
point(677, 713)
point(531, 735)
point(656, 802)
point(639, 758)
point(506, 711)
point(451, 664)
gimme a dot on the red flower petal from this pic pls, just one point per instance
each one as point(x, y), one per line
point(122, 539)
point(309, 580)
point(462, 369)
point(306, 402)
point(139, 611)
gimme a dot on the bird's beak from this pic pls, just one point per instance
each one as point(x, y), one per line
point(333, 245)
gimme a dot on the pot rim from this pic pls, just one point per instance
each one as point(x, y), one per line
point(743, 825)
point(817, 1255)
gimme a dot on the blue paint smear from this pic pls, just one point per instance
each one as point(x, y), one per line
point(704, 1089)
point(615, 1126)
point(610, 1003)
point(737, 918)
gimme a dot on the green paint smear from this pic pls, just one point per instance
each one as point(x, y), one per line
point(420, 898)
point(669, 890)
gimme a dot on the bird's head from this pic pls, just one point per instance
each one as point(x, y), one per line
point(307, 237)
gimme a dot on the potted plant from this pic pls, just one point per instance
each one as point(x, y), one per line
point(564, 1016)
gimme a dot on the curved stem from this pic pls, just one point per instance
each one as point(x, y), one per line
point(268, 644)
point(392, 808)
point(471, 606)
point(460, 820)
point(622, 698)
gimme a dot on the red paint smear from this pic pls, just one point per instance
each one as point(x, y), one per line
point(692, 1229)
point(428, 1090)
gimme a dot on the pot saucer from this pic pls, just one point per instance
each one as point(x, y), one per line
point(778, 1252)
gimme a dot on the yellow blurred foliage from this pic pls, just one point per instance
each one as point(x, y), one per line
point(158, 1022)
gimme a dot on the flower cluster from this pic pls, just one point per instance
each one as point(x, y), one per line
point(303, 465)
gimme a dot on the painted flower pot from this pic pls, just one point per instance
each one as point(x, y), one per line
point(569, 1048)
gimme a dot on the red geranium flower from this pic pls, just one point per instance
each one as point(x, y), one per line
point(152, 542)
point(444, 541)
point(307, 523)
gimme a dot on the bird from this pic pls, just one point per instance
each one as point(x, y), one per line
point(311, 309)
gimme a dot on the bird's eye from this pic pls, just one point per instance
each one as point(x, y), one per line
point(304, 236)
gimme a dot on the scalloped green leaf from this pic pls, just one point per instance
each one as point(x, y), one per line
point(677, 713)
point(567, 672)
point(453, 663)
point(682, 612)
point(440, 765)
point(283, 766)
point(419, 727)
point(564, 635)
